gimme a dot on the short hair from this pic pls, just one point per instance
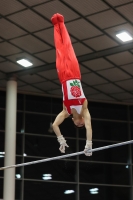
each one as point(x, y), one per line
point(81, 127)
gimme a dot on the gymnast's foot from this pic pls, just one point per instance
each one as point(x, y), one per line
point(54, 19)
point(60, 17)
point(57, 18)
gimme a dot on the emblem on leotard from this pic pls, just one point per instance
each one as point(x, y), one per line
point(75, 88)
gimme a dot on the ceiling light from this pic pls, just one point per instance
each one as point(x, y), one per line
point(47, 176)
point(18, 176)
point(124, 36)
point(69, 191)
point(94, 191)
point(24, 62)
point(127, 166)
point(24, 154)
point(2, 154)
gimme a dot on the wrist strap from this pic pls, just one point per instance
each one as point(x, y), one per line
point(61, 139)
point(88, 142)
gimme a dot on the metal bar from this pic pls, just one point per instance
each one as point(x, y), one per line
point(68, 155)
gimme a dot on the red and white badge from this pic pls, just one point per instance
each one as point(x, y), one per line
point(74, 89)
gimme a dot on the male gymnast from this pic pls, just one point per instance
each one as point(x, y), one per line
point(74, 101)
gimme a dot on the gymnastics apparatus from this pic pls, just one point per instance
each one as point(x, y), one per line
point(74, 101)
point(67, 155)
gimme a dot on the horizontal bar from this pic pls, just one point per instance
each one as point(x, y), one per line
point(67, 155)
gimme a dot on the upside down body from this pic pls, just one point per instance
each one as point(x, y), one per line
point(74, 101)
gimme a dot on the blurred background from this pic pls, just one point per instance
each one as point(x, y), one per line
point(105, 175)
point(106, 64)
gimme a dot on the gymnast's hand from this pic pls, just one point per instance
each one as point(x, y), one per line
point(62, 142)
point(88, 147)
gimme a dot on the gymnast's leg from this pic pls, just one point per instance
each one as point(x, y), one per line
point(66, 61)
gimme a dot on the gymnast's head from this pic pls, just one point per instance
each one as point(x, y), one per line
point(78, 121)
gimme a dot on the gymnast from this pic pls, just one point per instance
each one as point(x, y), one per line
point(74, 101)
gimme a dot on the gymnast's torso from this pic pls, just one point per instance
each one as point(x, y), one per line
point(73, 95)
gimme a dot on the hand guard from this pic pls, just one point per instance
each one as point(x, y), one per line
point(63, 143)
point(88, 146)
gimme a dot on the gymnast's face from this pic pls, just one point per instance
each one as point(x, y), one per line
point(79, 122)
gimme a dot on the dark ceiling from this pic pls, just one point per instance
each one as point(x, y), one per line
point(106, 62)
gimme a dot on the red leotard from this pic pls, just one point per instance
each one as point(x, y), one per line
point(67, 66)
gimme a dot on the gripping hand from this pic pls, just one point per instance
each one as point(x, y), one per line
point(88, 147)
point(62, 143)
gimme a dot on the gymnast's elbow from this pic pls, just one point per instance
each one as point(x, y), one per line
point(54, 125)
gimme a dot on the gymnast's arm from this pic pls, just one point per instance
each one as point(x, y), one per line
point(87, 120)
point(59, 119)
